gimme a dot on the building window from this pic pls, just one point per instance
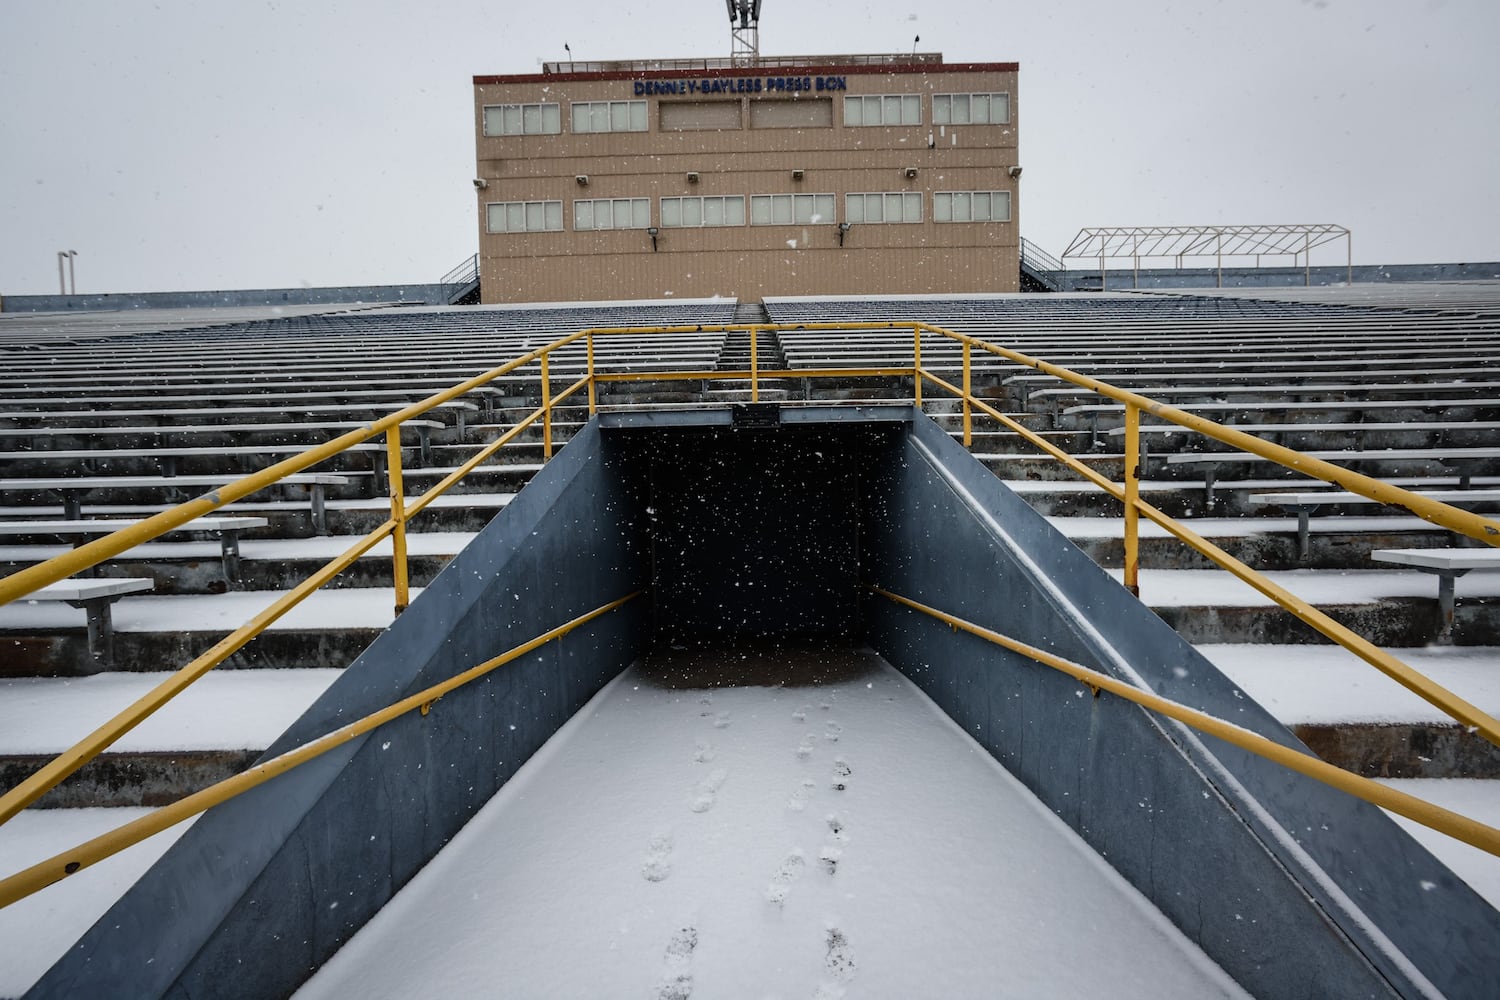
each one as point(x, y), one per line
point(971, 109)
point(806, 112)
point(790, 209)
point(698, 116)
point(522, 119)
point(713, 211)
point(971, 206)
point(612, 213)
point(883, 109)
point(609, 116)
point(886, 206)
point(524, 216)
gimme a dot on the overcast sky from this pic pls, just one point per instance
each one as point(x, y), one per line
point(188, 144)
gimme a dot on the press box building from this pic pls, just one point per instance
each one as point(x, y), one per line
point(815, 175)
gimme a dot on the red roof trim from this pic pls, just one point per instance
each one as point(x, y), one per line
point(737, 71)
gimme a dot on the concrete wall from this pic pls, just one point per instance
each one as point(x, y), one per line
point(263, 889)
point(107, 301)
point(1290, 886)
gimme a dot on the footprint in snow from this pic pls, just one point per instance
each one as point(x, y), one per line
point(706, 793)
point(841, 773)
point(677, 975)
point(801, 795)
point(658, 863)
point(806, 747)
point(721, 721)
point(838, 962)
point(801, 714)
point(833, 850)
point(832, 731)
point(704, 752)
point(786, 874)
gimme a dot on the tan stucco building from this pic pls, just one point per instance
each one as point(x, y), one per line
point(817, 175)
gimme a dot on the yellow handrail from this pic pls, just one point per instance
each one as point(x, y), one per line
point(60, 767)
point(1470, 831)
point(58, 867)
point(21, 583)
point(1419, 684)
point(1434, 511)
point(18, 584)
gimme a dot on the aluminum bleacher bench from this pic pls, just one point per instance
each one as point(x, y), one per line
point(168, 456)
point(1462, 460)
point(72, 489)
point(1356, 429)
point(1448, 565)
point(1093, 411)
point(1171, 376)
point(164, 432)
point(94, 597)
point(1304, 505)
point(226, 528)
point(285, 407)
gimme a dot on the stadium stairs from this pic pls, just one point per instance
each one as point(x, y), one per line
point(1228, 346)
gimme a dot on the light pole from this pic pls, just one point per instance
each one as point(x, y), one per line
point(62, 284)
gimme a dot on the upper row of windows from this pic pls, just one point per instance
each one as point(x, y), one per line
point(729, 210)
point(631, 116)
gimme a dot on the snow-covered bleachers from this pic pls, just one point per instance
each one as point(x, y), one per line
point(121, 427)
point(1333, 374)
point(295, 380)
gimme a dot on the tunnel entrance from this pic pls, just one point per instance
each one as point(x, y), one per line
point(754, 532)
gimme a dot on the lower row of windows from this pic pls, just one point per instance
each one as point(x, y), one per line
point(729, 210)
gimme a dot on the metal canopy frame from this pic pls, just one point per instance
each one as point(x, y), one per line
point(1296, 241)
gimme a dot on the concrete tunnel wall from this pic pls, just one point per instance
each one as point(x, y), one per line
point(264, 888)
point(773, 531)
point(1198, 827)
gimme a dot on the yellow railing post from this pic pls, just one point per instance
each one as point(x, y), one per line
point(1132, 494)
point(968, 391)
point(546, 410)
point(593, 396)
point(916, 365)
point(754, 368)
point(398, 516)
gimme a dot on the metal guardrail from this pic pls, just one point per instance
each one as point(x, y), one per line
point(1039, 259)
point(21, 583)
point(461, 277)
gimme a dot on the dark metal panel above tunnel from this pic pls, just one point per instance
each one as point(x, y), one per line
point(751, 415)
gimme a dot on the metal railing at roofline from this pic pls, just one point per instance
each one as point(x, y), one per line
point(759, 62)
point(1464, 522)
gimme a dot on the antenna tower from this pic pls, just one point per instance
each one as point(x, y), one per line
point(744, 31)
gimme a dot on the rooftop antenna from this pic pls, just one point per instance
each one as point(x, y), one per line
point(744, 31)
point(568, 51)
point(914, 43)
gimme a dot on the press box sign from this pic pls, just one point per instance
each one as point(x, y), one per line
point(738, 85)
